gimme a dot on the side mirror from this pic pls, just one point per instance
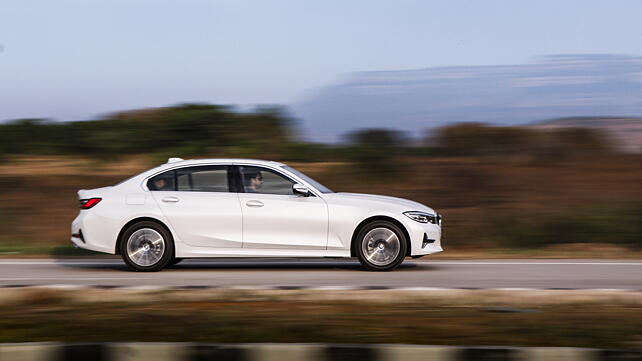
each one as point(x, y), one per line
point(300, 190)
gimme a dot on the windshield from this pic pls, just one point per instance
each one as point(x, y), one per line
point(320, 187)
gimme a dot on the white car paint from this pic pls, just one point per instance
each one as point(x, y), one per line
point(203, 219)
point(219, 224)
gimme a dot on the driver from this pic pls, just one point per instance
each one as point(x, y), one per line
point(252, 181)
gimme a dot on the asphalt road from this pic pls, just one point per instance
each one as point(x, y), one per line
point(574, 274)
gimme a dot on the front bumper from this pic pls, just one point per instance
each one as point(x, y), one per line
point(425, 238)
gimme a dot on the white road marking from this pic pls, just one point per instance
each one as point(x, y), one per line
point(472, 263)
point(346, 288)
point(332, 288)
point(147, 288)
point(540, 263)
point(71, 279)
point(15, 263)
point(423, 289)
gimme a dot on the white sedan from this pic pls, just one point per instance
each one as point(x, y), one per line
point(247, 208)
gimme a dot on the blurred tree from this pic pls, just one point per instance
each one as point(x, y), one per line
point(582, 141)
point(182, 130)
point(266, 132)
point(375, 150)
point(478, 139)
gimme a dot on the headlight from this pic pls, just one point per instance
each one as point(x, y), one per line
point(422, 217)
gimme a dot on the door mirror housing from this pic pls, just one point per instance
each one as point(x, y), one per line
point(300, 190)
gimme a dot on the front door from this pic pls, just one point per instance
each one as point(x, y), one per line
point(198, 204)
point(273, 217)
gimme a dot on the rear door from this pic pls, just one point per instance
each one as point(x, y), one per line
point(200, 206)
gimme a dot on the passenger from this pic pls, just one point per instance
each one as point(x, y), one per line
point(161, 184)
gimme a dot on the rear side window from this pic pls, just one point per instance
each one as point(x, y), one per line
point(202, 179)
point(162, 182)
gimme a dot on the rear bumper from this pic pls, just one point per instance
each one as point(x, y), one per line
point(86, 233)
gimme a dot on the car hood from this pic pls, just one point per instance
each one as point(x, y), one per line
point(401, 203)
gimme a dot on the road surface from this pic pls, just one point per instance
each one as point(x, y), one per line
point(320, 273)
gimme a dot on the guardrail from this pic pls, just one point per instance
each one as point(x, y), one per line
point(150, 351)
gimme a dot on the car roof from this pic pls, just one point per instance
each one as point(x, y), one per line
point(174, 162)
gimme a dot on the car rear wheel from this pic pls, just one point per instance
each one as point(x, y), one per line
point(381, 246)
point(147, 246)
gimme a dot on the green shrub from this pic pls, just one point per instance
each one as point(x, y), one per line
point(616, 224)
point(375, 151)
point(476, 139)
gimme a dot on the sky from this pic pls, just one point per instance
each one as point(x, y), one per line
point(78, 60)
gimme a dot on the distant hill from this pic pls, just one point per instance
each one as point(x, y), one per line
point(553, 87)
point(626, 133)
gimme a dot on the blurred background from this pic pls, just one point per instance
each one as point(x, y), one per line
point(519, 122)
point(555, 186)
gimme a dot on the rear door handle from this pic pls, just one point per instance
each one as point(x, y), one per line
point(170, 199)
point(254, 204)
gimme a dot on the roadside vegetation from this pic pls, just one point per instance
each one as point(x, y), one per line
point(499, 188)
point(553, 318)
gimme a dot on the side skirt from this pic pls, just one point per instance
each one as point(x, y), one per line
point(184, 251)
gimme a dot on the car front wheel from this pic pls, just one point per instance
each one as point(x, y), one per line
point(146, 246)
point(381, 246)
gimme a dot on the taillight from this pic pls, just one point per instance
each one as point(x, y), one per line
point(88, 203)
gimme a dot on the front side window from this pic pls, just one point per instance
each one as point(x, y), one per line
point(264, 181)
point(162, 182)
point(202, 179)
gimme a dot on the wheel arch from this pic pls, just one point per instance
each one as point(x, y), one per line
point(353, 252)
point(136, 220)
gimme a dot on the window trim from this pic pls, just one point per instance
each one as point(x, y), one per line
point(294, 180)
point(175, 170)
point(148, 179)
point(313, 191)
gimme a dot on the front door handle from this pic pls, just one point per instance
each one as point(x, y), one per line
point(254, 204)
point(170, 199)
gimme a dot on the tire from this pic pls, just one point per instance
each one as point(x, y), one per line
point(146, 246)
point(381, 246)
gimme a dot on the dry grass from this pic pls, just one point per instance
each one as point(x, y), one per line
point(537, 318)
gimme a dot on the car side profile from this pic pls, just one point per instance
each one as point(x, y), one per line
point(247, 208)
